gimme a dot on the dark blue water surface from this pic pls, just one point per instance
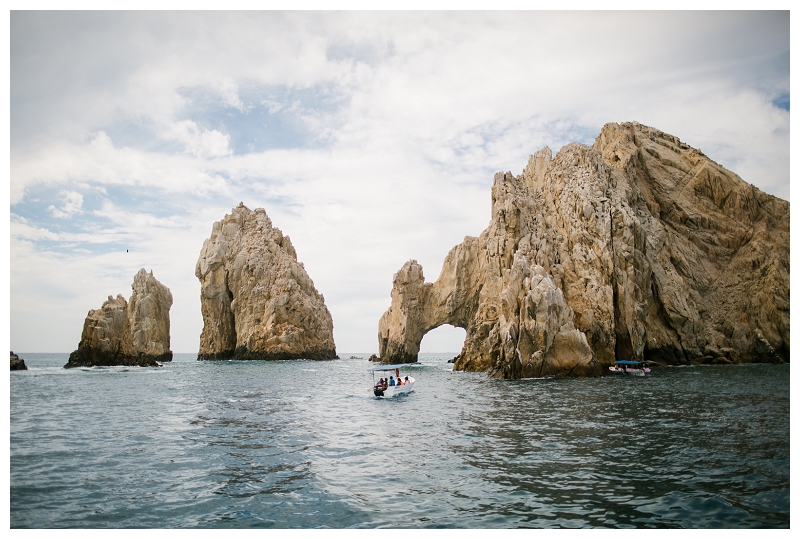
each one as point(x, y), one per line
point(304, 444)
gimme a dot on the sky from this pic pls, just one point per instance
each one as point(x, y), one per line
point(370, 138)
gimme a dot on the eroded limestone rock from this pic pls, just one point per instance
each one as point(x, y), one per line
point(258, 301)
point(658, 254)
point(134, 333)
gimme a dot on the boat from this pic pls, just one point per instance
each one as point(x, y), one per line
point(387, 389)
point(629, 367)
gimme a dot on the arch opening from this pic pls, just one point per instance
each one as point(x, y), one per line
point(445, 339)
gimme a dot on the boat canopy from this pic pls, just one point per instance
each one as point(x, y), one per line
point(391, 367)
point(626, 362)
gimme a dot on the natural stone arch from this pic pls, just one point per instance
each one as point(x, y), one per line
point(419, 307)
point(517, 321)
point(526, 329)
point(639, 245)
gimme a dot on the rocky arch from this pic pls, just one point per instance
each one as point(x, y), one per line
point(639, 245)
point(523, 329)
point(417, 308)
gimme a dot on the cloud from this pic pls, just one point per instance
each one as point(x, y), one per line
point(230, 95)
point(99, 162)
point(20, 229)
point(198, 141)
point(369, 138)
point(72, 205)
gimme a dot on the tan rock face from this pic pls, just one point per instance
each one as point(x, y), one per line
point(258, 301)
point(148, 314)
point(134, 333)
point(657, 252)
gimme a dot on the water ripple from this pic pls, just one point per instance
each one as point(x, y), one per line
point(276, 444)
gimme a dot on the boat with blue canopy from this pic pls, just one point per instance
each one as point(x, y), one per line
point(630, 367)
point(394, 385)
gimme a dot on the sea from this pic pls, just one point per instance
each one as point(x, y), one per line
point(305, 444)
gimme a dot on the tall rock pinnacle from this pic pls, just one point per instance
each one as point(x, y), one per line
point(258, 301)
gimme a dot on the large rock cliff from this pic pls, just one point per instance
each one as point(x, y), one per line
point(258, 301)
point(647, 250)
point(134, 333)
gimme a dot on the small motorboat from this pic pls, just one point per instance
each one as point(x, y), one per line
point(394, 385)
point(629, 367)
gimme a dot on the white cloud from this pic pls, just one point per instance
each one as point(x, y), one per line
point(100, 162)
point(230, 95)
point(20, 229)
point(199, 141)
point(273, 106)
point(73, 203)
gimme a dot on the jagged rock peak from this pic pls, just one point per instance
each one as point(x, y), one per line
point(658, 252)
point(148, 311)
point(134, 333)
point(257, 300)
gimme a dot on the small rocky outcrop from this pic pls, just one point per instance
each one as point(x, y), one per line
point(257, 300)
point(133, 333)
point(17, 363)
point(638, 247)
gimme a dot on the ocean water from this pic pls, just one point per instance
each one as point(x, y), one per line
point(305, 444)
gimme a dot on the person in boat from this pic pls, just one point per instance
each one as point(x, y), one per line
point(380, 383)
point(406, 381)
point(391, 380)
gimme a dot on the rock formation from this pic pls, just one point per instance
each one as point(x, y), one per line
point(638, 247)
point(17, 363)
point(258, 301)
point(134, 333)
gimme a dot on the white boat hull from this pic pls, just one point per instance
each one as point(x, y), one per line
point(393, 391)
point(629, 372)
